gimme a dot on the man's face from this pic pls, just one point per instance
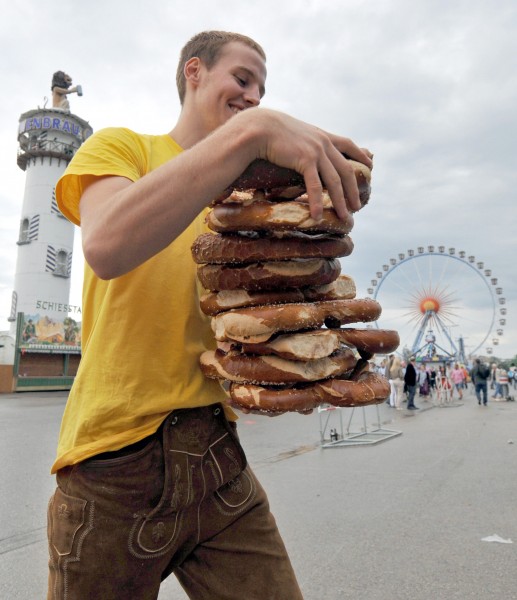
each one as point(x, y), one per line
point(235, 83)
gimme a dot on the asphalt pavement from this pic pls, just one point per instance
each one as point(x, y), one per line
point(410, 516)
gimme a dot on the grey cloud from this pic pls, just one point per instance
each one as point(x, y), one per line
point(430, 87)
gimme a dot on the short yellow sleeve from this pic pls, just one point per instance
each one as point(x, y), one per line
point(111, 151)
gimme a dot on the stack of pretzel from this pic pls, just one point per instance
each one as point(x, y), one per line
point(278, 301)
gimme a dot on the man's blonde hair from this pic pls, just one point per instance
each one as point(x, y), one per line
point(207, 46)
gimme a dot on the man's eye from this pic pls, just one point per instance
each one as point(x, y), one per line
point(242, 82)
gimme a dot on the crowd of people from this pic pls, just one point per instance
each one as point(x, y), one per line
point(443, 382)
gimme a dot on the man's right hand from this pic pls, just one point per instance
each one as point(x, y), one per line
point(315, 154)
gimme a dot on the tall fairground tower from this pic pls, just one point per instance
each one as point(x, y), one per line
point(48, 139)
point(43, 348)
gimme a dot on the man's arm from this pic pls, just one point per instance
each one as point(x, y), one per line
point(125, 223)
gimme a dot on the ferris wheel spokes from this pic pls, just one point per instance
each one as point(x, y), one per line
point(433, 319)
point(419, 292)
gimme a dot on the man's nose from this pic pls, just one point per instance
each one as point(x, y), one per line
point(252, 96)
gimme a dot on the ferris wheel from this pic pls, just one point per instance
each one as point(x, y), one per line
point(440, 299)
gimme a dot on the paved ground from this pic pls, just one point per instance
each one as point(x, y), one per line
point(402, 519)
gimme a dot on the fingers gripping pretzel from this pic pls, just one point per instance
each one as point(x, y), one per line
point(261, 174)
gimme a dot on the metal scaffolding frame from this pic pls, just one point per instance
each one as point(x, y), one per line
point(340, 438)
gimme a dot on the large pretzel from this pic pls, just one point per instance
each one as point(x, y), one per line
point(230, 249)
point(367, 388)
point(269, 275)
point(318, 343)
point(273, 370)
point(342, 288)
point(258, 323)
point(275, 216)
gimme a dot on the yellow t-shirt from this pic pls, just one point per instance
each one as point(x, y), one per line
point(143, 332)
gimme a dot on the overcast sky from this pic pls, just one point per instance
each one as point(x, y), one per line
point(429, 86)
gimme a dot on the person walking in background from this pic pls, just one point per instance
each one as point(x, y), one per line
point(502, 380)
point(458, 379)
point(397, 379)
point(380, 368)
point(466, 376)
point(432, 381)
point(443, 386)
point(387, 370)
point(496, 380)
point(410, 379)
point(511, 376)
point(423, 381)
point(480, 374)
point(493, 379)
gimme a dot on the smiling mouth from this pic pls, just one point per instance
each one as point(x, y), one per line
point(235, 109)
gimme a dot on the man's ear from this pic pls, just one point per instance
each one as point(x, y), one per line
point(192, 69)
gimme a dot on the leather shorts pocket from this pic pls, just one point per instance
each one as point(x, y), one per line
point(119, 458)
point(69, 522)
point(236, 495)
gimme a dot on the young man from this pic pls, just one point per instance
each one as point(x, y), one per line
point(151, 477)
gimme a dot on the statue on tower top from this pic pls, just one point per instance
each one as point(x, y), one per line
point(61, 83)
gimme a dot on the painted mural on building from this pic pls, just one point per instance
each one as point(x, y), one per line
point(41, 330)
